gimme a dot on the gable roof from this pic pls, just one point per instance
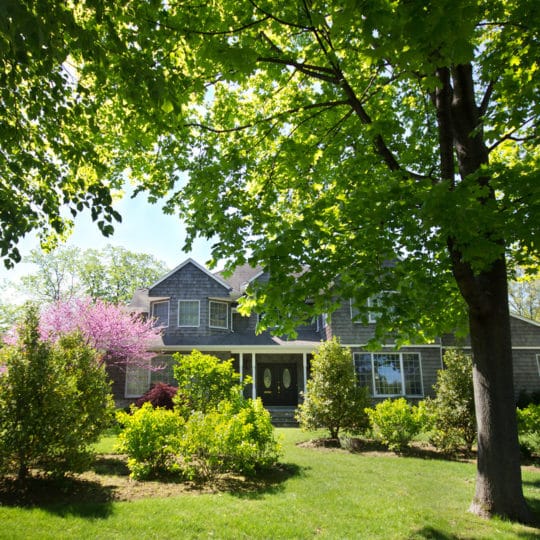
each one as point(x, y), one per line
point(215, 277)
point(524, 319)
point(240, 277)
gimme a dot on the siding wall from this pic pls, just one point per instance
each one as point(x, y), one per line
point(190, 283)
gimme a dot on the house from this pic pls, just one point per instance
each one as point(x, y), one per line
point(197, 310)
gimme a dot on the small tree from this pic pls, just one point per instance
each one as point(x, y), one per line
point(119, 337)
point(452, 410)
point(333, 399)
point(203, 382)
point(54, 401)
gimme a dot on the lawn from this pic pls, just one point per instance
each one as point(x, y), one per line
point(316, 492)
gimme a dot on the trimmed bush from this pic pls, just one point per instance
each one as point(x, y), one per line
point(452, 412)
point(394, 422)
point(203, 382)
point(151, 439)
point(159, 395)
point(333, 400)
point(55, 401)
point(529, 428)
point(238, 436)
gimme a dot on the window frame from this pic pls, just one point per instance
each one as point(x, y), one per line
point(538, 363)
point(198, 313)
point(403, 382)
point(153, 304)
point(217, 302)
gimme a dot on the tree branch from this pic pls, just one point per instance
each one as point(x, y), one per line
point(485, 100)
point(327, 104)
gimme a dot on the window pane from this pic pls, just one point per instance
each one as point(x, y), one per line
point(387, 374)
point(188, 313)
point(218, 314)
point(137, 380)
point(165, 374)
point(413, 374)
point(362, 364)
point(160, 312)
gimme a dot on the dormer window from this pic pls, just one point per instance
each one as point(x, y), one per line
point(188, 313)
point(218, 314)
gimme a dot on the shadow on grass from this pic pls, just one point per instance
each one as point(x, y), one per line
point(269, 482)
point(359, 446)
point(66, 496)
point(432, 533)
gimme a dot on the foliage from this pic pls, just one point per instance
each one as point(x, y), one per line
point(452, 410)
point(333, 399)
point(159, 395)
point(111, 274)
point(151, 439)
point(395, 422)
point(529, 427)
point(212, 429)
point(236, 436)
point(203, 382)
point(117, 335)
point(54, 402)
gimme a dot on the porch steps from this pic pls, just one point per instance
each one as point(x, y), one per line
point(283, 416)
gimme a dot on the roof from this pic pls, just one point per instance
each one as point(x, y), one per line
point(216, 277)
point(240, 277)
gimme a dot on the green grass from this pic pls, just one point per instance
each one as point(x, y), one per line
point(321, 493)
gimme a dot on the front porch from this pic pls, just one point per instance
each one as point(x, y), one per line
point(278, 379)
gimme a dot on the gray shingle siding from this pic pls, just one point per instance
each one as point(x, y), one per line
point(190, 283)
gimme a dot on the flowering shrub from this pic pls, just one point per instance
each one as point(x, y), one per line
point(237, 436)
point(151, 439)
point(394, 422)
point(118, 336)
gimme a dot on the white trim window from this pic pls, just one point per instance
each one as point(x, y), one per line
point(375, 304)
point(160, 312)
point(189, 313)
point(538, 363)
point(390, 374)
point(218, 316)
point(137, 380)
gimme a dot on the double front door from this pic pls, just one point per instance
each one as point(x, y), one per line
point(277, 384)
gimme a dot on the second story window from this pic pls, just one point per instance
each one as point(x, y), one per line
point(160, 312)
point(218, 314)
point(188, 313)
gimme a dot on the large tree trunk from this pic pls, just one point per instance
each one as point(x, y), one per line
point(498, 485)
point(498, 481)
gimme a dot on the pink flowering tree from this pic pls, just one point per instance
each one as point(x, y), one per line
point(120, 337)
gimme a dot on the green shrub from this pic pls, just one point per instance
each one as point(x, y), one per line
point(529, 428)
point(203, 382)
point(333, 399)
point(452, 411)
point(394, 422)
point(236, 437)
point(54, 402)
point(151, 439)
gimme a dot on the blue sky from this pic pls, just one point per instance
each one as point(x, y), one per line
point(144, 229)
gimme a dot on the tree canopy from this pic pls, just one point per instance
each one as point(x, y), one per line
point(111, 274)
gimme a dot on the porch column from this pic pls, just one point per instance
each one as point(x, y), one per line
point(304, 367)
point(253, 376)
point(241, 366)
